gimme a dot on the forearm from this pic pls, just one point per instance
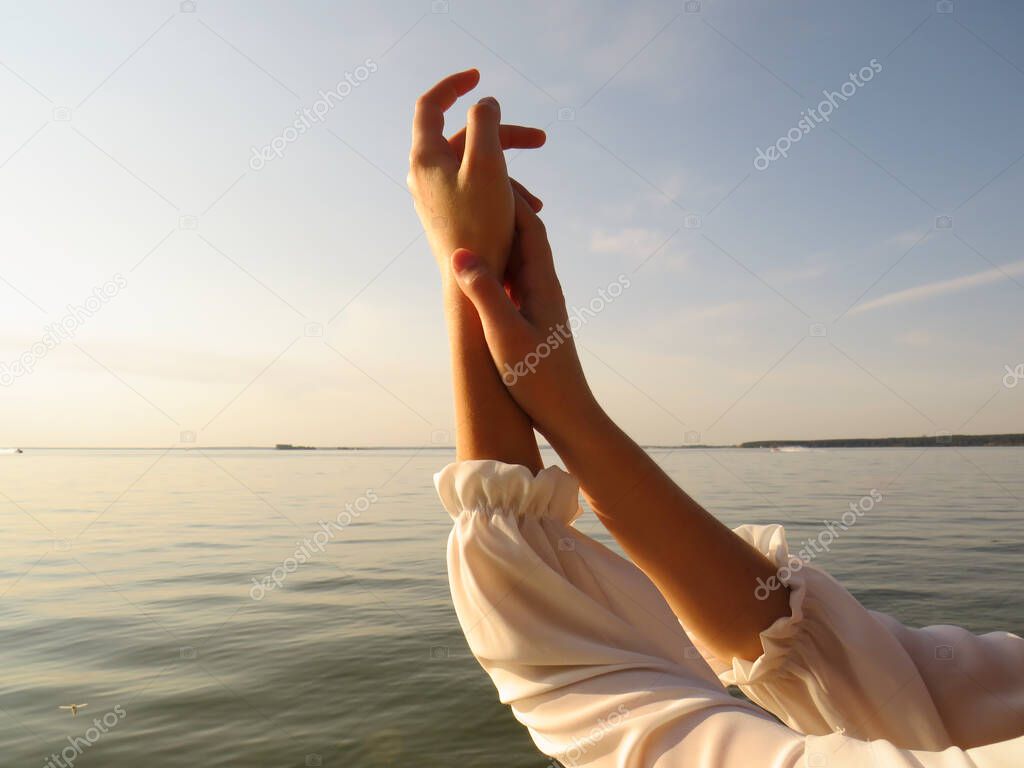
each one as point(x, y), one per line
point(488, 422)
point(707, 573)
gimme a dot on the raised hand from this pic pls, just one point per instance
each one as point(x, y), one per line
point(460, 186)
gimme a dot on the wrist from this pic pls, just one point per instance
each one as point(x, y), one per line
point(444, 244)
point(465, 333)
point(580, 422)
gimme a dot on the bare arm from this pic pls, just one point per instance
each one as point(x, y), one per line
point(488, 422)
point(707, 573)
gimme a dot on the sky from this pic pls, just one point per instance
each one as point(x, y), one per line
point(792, 274)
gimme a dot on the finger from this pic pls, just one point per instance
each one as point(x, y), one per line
point(531, 250)
point(483, 144)
point(535, 202)
point(503, 326)
point(530, 231)
point(428, 120)
point(534, 281)
point(512, 137)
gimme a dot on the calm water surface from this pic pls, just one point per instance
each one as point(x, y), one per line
point(126, 582)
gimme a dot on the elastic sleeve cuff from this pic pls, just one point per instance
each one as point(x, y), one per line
point(493, 486)
point(778, 639)
point(831, 665)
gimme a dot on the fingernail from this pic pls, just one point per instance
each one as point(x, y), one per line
point(464, 261)
point(488, 100)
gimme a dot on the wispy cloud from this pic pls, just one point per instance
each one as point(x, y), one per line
point(797, 274)
point(716, 311)
point(943, 287)
point(642, 246)
point(637, 242)
point(916, 338)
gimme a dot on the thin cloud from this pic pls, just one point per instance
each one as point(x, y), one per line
point(643, 246)
point(717, 311)
point(943, 287)
point(916, 338)
point(797, 274)
point(637, 242)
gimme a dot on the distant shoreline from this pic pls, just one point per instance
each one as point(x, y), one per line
point(943, 440)
point(949, 441)
point(1008, 440)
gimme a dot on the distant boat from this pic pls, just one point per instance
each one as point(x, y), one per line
point(290, 447)
point(10, 451)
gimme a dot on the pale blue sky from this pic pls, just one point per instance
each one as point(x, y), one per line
point(718, 333)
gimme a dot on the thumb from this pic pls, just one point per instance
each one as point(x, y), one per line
point(501, 321)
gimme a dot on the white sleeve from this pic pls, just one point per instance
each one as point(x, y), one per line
point(976, 681)
point(832, 665)
point(583, 648)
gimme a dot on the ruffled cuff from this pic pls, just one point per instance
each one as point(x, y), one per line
point(831, 665)
point(493, 486)
point(778, 639)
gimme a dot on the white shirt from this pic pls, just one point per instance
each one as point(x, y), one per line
point(591, 659)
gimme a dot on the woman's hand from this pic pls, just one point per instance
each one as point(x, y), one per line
point(460, 186)
point(531, 344)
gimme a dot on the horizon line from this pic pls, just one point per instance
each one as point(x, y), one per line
point(288, 447)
